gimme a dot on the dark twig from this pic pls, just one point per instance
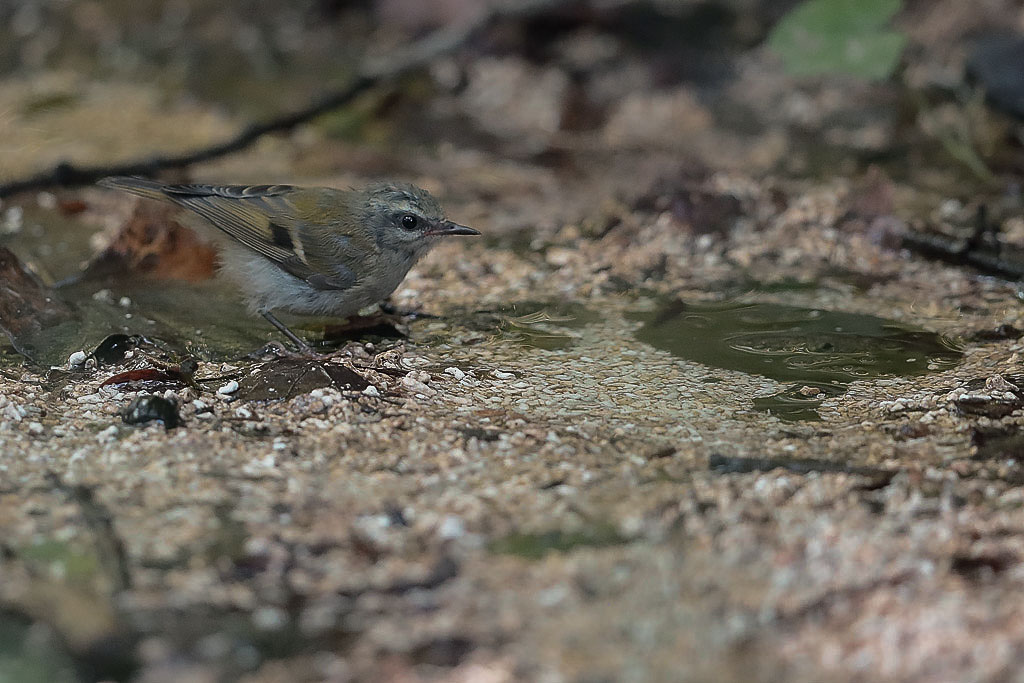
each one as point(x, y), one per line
point(960, 253)
point(375, 72)
point(110, 547)
point(981, 250)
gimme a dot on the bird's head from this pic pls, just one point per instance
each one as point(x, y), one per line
point(406, 217)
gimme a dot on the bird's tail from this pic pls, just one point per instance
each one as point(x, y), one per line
point(150, 189)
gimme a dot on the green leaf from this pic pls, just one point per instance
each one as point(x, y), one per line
point(848, 37)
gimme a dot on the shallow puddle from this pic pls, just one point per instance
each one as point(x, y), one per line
point(547, 325)
point(544, 325)
point(201, 320)
point(820, 351)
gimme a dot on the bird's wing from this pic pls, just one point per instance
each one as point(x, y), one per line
point(257, 216)
point(265, 219)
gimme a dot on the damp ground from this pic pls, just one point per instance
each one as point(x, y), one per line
point(687, 411)
point(548, 461)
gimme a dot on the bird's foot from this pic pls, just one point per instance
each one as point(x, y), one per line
point(308, 353)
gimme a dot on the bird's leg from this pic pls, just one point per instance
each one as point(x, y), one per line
point(304, 350)
point(303, 347)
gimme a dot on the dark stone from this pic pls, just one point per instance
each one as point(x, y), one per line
point(113, 349)
point(148, 408)
point(995, 64)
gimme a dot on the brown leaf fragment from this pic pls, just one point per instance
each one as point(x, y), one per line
point(286, 378)
point(146, 375)
point(72, 207)
point(27, 306)
point(873, 196)
point(153, 243)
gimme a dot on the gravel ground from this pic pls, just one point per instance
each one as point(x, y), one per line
point(533, 493)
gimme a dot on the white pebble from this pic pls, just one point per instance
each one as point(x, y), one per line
point(456, 373)
point(371, 391)
point(501, 374)
point(107, 434)
point(229, 388)
point(12, 221)
point(77, 359)
point(416, 386)
point(35, 428)
point(269, 619)
point(451, 528)
point(124, 302)
point(199, 405)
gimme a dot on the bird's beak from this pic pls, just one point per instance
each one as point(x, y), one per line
point(449, 228)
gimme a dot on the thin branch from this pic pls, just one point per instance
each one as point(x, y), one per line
point(961, 253)
point(110, 547)
point(375, 72)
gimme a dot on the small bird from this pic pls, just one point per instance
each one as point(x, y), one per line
point(311, 250)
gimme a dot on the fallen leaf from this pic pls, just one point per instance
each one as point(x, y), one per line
point(27, 307)
point(154, 243)
point(286, 378)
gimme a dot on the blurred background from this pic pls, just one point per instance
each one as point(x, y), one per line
point(811, 88)
point(553, 123)
point(628, 162)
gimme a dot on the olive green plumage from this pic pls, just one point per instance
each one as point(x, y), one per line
point(312, 250)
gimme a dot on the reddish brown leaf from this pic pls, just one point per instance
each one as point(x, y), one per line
point(153, 243)
point(71, 207)
point(27, 307)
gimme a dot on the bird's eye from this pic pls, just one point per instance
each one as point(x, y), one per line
point(409, 222)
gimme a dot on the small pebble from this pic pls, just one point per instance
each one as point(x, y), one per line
point(229, 388)
point(415, 386)
point(108, 433)
point(451, 528)
point(269, 619)
point(13, 219)
point(501, 374)
point(456, 373)
point(77, 359)
point(371, 391)
point(124, 302)
point(35, 428)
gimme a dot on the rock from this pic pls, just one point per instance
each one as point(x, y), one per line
point(228, 389)
point(995, 65)
point(148, 408)
point(416, 386)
